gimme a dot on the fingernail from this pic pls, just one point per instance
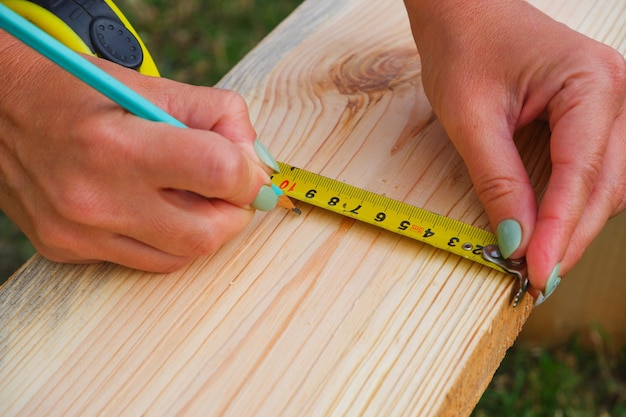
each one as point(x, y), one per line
point(553, 281)
point(509, 234)
point(277, 190)
point(265, 156)
point(266, 200)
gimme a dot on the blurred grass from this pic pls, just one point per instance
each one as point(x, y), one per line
point(571, 380)
point(15, 249)
point(197, 42)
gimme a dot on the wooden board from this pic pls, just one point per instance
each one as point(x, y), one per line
point(310, 315)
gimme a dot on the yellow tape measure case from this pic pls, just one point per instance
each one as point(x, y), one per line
point(94, 27)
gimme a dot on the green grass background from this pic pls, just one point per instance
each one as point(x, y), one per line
point(198, 41)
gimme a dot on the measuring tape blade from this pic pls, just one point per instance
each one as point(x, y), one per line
point(413, 222)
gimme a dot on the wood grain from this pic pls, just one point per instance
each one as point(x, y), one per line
point(311, 315)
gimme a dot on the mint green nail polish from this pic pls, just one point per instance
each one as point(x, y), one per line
point(266, 200)
point(509, 234)
point(265, 156)
point(553, 281)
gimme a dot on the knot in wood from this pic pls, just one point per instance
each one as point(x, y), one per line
point(376, 72)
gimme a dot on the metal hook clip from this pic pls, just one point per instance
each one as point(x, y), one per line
point(515, 267)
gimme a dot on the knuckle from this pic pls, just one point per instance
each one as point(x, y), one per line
point(229, 175)
point(491, 189)
point(601, 74)
point(607, 67)
point(204, 246)
point(582, 172)
point(90, 131)
point(186, 239)
point(56, 243)
point(615, 67)
point(207, 237)
point(234, 101)
point(200, 244)
point(105, 144)
point(77, 203)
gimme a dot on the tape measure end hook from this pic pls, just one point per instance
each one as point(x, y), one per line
point(516, 267)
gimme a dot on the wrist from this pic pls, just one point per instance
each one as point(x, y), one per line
point(448, 22)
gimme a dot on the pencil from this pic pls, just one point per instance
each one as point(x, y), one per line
point(75, 64)
point(284, 201)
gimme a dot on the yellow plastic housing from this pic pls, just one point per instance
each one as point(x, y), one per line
point(57, 28)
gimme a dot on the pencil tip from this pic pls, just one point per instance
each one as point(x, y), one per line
point(285, 202)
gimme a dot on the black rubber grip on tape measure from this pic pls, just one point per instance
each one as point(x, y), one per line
point(100, 28)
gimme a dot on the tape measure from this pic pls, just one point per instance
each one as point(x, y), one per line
point(94, 27)
point(416, 223)
point(98, 27)
point(413, 222)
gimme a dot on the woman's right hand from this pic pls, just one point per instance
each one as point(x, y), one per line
point(87, 181)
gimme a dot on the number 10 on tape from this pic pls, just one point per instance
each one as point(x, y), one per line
point(416, 223)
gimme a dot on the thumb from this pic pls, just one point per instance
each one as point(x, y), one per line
point(500, 179)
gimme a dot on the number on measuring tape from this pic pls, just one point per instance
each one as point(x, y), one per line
point(416, 223)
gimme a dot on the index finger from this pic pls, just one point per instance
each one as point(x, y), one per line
point(580, 118)
point(199, 161)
